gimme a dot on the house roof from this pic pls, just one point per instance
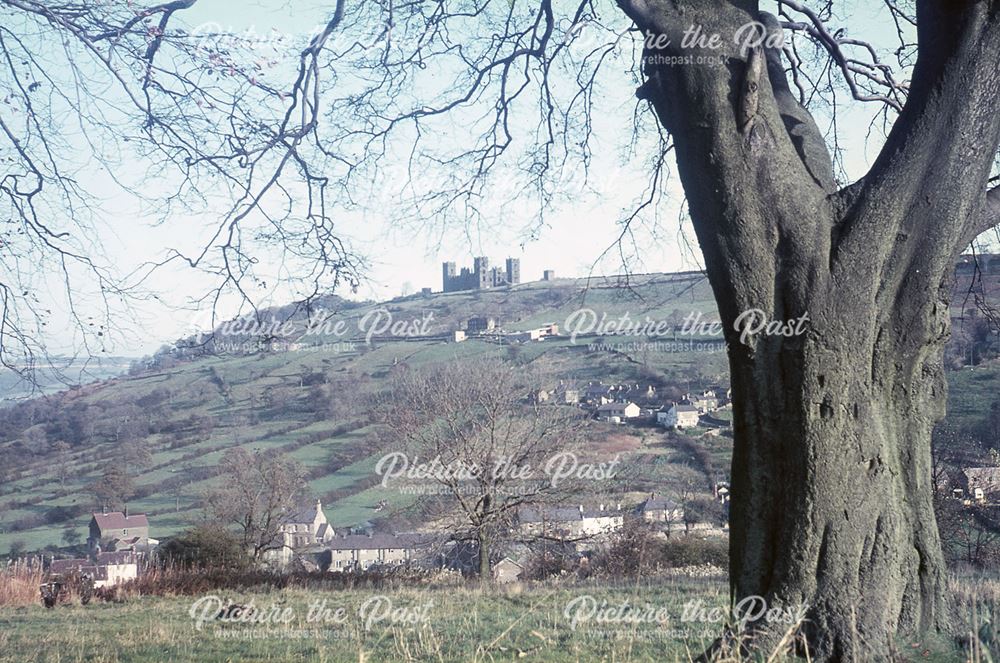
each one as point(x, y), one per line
point(564, 514)
point(81, 566)
point(508, 560)
point(559, 514)
point(657, 503)
point(68, 565)
point(118, 520)
point(381, 541)
point(613, 407)
point(685, 408)
point(305, 513)
point(98, 569)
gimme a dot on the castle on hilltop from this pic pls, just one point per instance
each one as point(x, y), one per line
point(481, 275)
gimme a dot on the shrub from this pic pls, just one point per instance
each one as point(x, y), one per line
point(61, 514)
point(693, 551)
point(636, 550)
point(632, 549)
point(550, 562)
point(17, 548)
point(204, 546)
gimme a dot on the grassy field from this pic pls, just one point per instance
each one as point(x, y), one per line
point(447, 623)
point(659, 619)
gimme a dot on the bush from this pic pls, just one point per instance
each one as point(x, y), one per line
point(635, 550)
point(705, 510)
point(28, 522)
point(693, 551)
point(551, 562)
point(174, 581)
point(17, 548)
point(61, 514)
point(204, 546)
point(632, 550)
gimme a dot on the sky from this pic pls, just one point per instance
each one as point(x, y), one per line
point(579, 238)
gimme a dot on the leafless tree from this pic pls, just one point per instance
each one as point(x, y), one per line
point(93, 88)
point(256, 492)
point(970, 534)
point(60, 452)
point(114, 488)
point(471, 436)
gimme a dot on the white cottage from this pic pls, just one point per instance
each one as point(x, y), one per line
point(678, 416)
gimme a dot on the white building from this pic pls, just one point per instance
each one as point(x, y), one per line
point(306, 527)
point(106, 569)
point(678, 416)
point(360, 552)
point(570, 522)
point(657, 509)
point(616, 412)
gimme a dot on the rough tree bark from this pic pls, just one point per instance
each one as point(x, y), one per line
point(832, 504)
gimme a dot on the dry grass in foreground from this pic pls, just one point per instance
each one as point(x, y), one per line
point(457, 622)
point(19, 583)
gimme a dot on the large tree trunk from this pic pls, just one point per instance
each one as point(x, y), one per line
point(831, 493)
point(832, 506)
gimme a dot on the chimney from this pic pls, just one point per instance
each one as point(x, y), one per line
point(126, 511)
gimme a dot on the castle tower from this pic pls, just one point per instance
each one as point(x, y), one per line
point(481, 267)
point(513, 271)
point(447, 276)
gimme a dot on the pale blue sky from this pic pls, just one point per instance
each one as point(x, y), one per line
point(579, 230)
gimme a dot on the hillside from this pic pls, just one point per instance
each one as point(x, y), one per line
point(310, 396)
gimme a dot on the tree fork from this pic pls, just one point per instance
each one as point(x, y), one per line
point(832, 504)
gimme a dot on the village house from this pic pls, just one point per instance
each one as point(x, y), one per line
point(480, 325)
point(117, 531)
point(561, 394)
point(721, 491)
point(659, 510)
point(678, 416)
point(304, 528)
point(981, 483)
point(706, 401)
point(636, 391)
point(525, 336)
point(537, 334)
point(618, 412)
point(598, 393)
point(570, 522)
point(360, 552)
point(507, 570)
point(105, 569)
point(567, 396)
